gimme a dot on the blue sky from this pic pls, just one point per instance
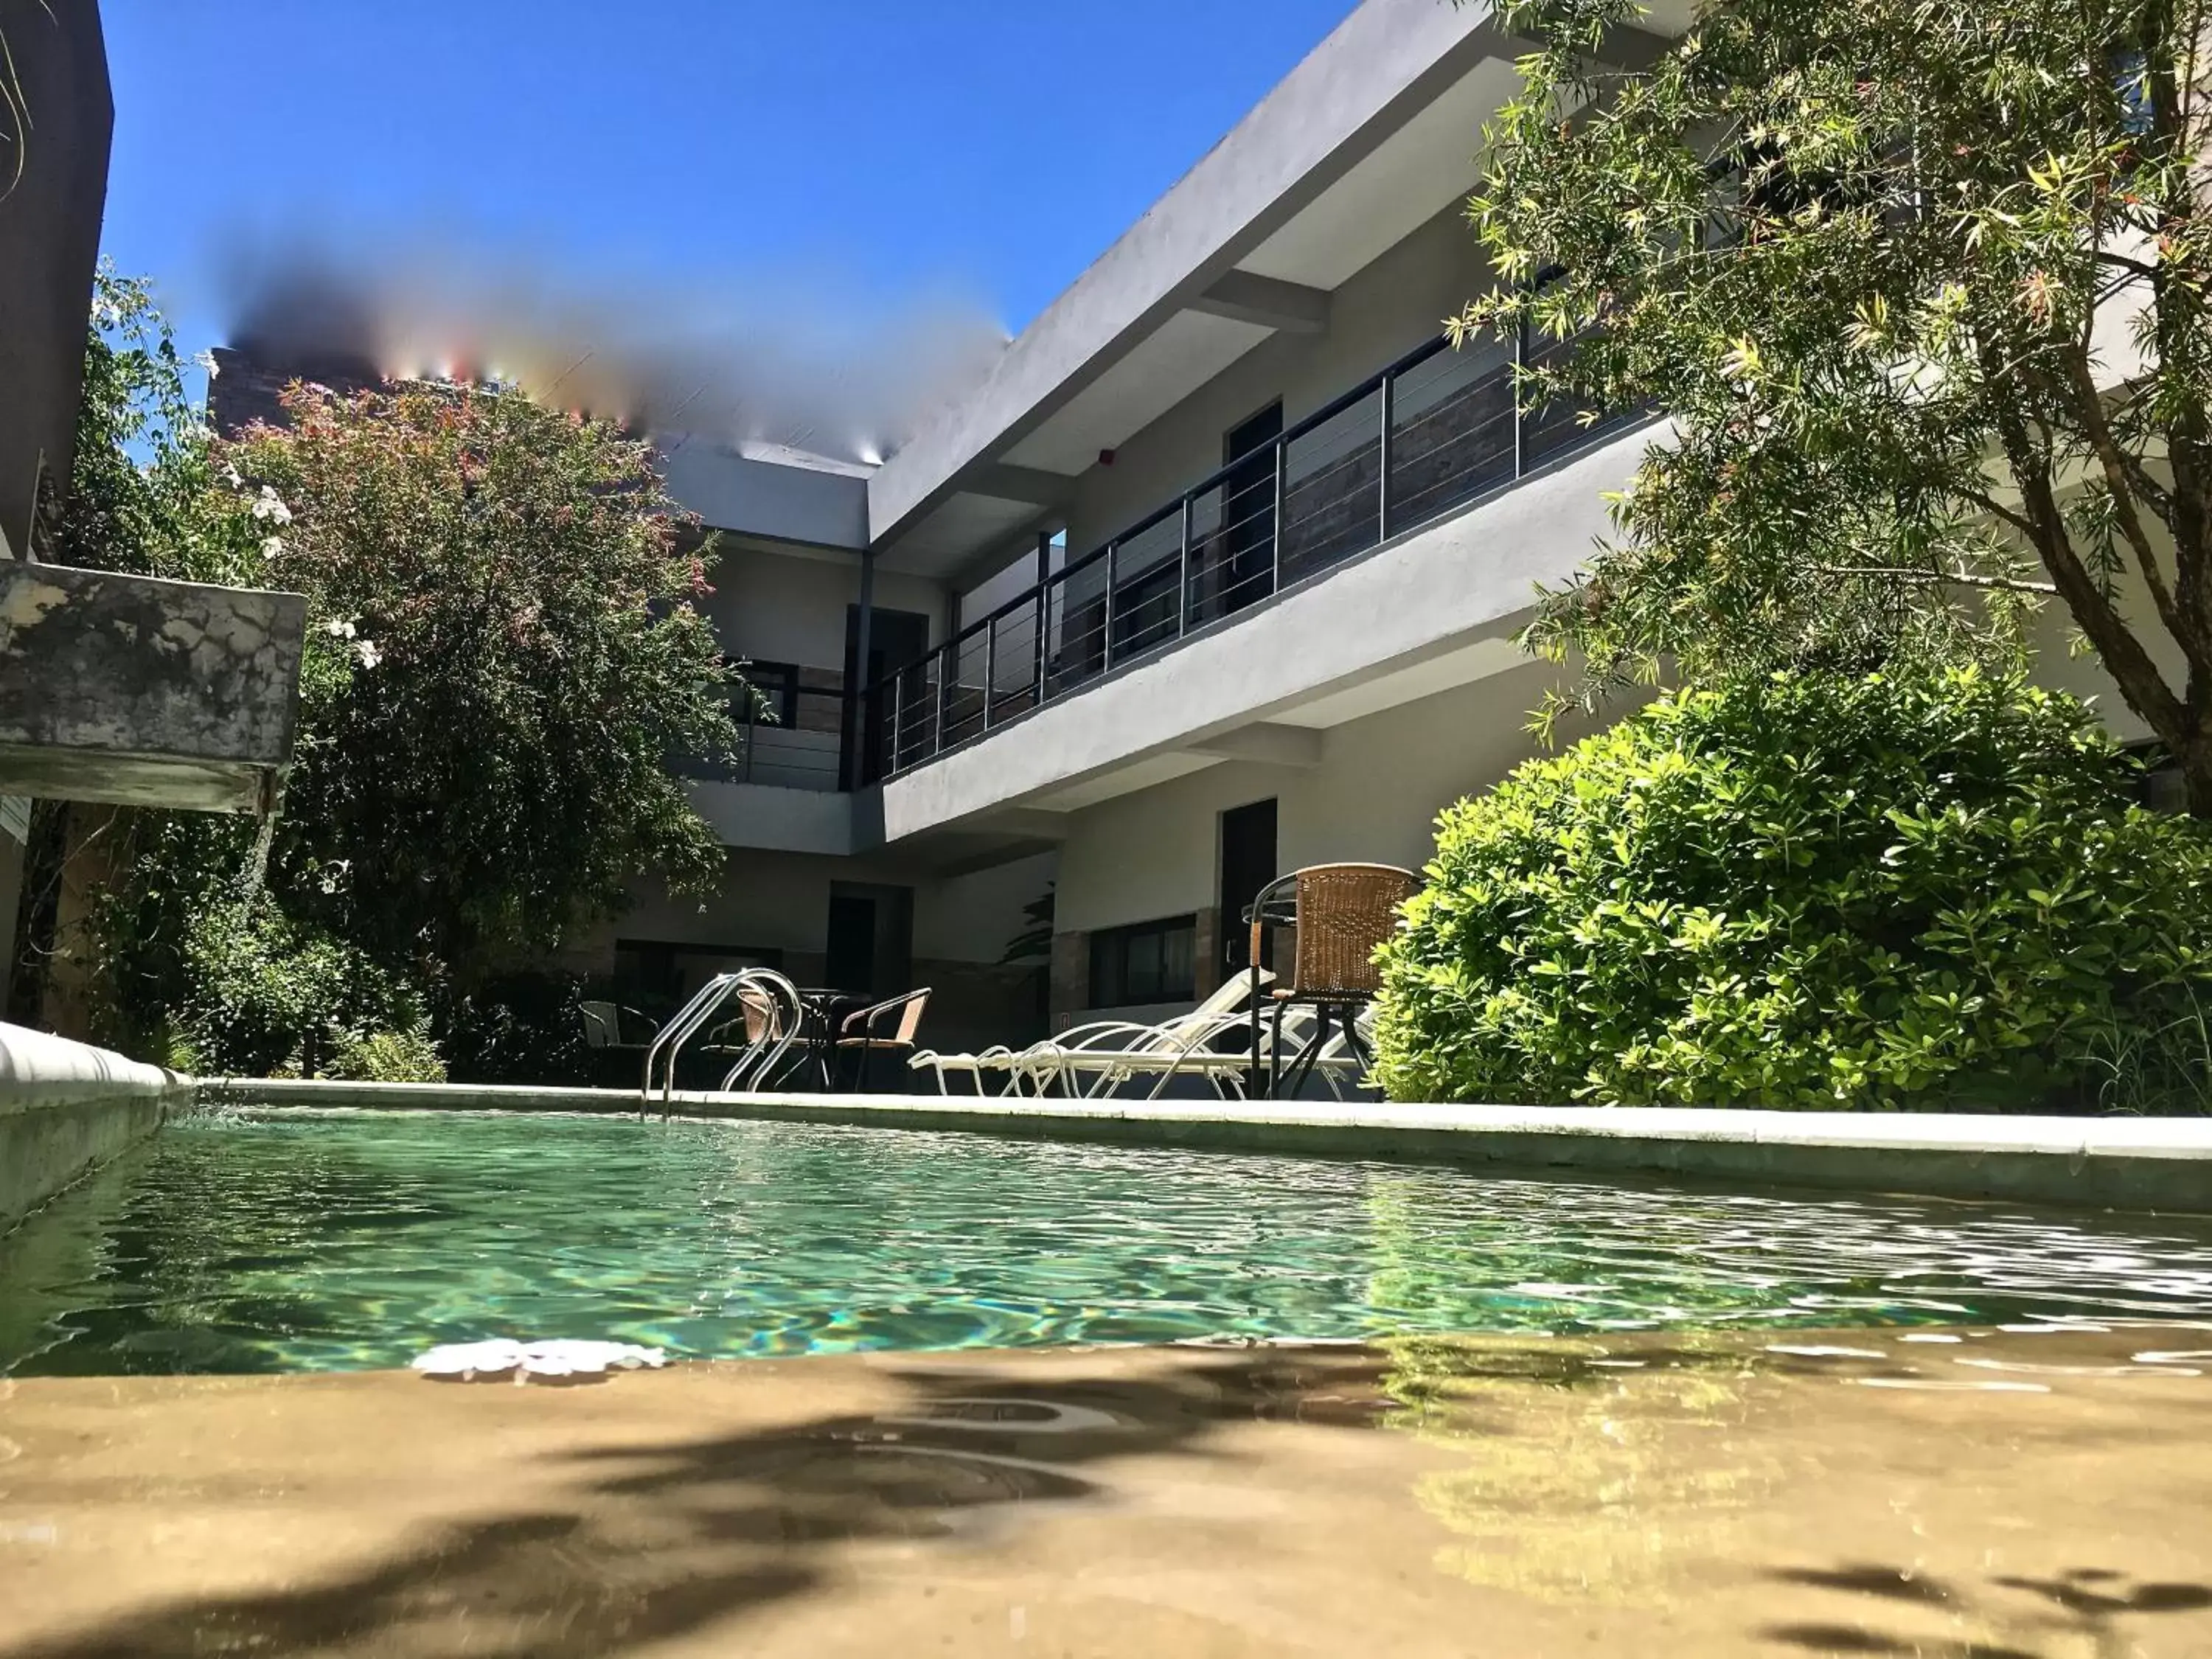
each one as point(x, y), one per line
point(986, 149)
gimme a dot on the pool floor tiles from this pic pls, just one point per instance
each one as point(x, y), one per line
point(2028, 1494)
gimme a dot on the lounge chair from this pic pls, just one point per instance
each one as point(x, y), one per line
point(1105, 1054)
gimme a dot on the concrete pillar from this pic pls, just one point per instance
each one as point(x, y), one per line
point(1071, 978)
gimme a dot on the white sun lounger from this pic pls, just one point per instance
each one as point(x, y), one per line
point(1181, 1045)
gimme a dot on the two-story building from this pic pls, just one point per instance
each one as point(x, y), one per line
point(1217, 575)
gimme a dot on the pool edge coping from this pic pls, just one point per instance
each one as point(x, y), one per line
point(2158, 1164)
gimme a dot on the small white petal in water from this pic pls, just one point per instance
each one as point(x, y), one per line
point(1812, 1352)
point(1925, 1337)
point(470, 1360)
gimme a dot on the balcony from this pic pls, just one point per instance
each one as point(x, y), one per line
point(1428, 437)
point(798, 743)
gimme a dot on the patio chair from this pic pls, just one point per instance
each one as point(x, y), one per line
point(772, 1015)
point(1035, 1068)
point(1094, 1060)
point(862, 1036)
point(1344, 913)
point(603, 1023)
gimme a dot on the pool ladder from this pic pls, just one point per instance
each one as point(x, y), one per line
point(787, 1016)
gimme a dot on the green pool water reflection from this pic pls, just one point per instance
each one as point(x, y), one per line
point(343, 1241)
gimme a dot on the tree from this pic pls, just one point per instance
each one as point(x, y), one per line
point(1925, 291)
point(524, 651)
point(505, 646)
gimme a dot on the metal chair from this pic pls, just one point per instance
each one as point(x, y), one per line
point(1345, 912)
point(907, 1009)
point(603, 1023)
point(773, 1016)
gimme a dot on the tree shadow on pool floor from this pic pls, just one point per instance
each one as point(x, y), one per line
point(652, 1541)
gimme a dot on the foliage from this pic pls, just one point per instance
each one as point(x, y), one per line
point(403, 1056)
point(525, 651)
point(505, 645)
point(266, 995)
point(1924, 290)
point(519, 1028)
point(1812, 891)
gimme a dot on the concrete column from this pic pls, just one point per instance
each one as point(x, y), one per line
point(1071, 978)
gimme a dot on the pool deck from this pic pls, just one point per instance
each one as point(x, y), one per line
point(2152, 1164)
point(1973, 1495)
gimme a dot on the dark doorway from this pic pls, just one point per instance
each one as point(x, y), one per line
point(1248, 864)
point(895, 638)
point(1246, 575)
point(871, 939)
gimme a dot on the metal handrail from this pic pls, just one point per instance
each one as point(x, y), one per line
point(882, 705)
point(680, 1030)
point(764, 1062)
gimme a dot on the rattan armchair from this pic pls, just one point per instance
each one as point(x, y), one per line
point(1344, 914)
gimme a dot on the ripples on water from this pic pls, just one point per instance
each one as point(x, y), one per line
point(282, 1243)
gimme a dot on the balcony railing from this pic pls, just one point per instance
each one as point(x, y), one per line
point(1434, 431)
point(799, 742)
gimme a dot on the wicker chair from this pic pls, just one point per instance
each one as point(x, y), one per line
point(1345, 912)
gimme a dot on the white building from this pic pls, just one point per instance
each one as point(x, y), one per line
point(1286, 538)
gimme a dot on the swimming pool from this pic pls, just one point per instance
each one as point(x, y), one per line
point(341, 1240)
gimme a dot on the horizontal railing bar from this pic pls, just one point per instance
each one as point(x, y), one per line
point(1188, 581)
point(1250, 463)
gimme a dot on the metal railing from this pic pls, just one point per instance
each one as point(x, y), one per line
point(1429, 434)
point(799, 744)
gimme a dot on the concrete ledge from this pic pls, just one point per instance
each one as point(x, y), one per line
point(65, 1106)
point(2129, 1164)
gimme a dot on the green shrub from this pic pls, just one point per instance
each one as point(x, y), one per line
point(403, 1056)
point(1813, 892)
point(519, 1028)
point(268, 996)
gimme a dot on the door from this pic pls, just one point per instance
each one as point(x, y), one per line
point(851, 947)
point(895, 638)
point(1248, 864)
point(1247, 573)
point(871, 939)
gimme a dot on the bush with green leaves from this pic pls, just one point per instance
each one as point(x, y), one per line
point(1803, 892)
point(271, 996)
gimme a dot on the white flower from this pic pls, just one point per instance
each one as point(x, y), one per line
point(269, 506)
point(273, 548)
point(338, 630)
point(230, 477)
point(366, 651)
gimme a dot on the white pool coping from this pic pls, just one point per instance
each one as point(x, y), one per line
point(2128, 1163)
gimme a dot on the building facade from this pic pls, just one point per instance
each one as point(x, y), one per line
point(1216, 575)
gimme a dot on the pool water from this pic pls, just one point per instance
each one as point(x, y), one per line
point(289, 1241)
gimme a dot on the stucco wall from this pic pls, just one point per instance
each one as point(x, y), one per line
point(1374, 798)
point(790, 607)
point(1395, 305)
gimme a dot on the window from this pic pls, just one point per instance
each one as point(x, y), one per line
point(665, 974)
point(1151, 961)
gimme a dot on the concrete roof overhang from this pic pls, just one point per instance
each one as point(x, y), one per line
point(1370, 137)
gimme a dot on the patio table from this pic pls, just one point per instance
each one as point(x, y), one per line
point(824, 1010)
